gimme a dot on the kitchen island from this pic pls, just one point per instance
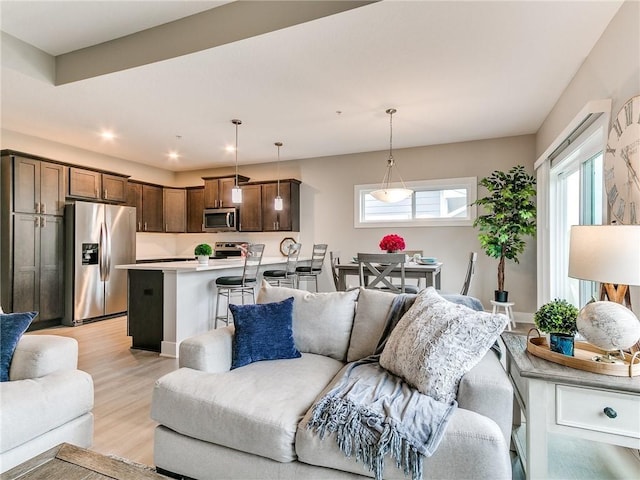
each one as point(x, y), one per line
point(171, 301)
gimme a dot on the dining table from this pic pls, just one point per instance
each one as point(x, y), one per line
point(430, 272)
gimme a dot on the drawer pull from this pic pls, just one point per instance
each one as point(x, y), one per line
point(610, 412)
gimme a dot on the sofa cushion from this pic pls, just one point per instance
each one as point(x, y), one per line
point(262, 332)
point(31, 408)
point(255, 408)
point(369, 323)
point(436, 342)
point(472, 447)
point(12, 326)
point(322, 322)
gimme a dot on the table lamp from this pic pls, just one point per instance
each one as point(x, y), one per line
point(609, 254)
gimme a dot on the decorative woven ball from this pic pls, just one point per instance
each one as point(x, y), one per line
point(608, 325)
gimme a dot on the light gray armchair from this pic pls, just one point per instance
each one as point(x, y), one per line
point(46, 401)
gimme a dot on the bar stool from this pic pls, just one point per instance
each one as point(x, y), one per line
point(242, 285)
point(508, 311)
point(287, 276)
point(317, 260)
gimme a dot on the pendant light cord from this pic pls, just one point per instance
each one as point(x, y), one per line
point(236, 150)
point(278, 144)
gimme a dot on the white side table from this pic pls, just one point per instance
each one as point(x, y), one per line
point(508, 311)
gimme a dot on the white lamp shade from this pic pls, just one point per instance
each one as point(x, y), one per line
point(236, 195)
point(605, 253)
point(391, 195)
point(278, 204)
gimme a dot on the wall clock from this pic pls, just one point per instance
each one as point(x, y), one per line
point(622, 164)
point(285, 244)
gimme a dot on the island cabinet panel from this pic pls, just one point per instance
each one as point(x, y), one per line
point(145, 315)
point(175, 210)
point(93, 185)
point(134, 199)
point(217, 190)
point(38, 187)
point(152, 208)
point(195, 209)
point(251, 209)
point(287, 219)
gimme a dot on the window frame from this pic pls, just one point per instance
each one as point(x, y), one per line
point(468, 183)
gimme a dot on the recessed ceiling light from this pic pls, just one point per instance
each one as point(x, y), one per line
point(230, 148)
point(173, 155)
point(107, 135)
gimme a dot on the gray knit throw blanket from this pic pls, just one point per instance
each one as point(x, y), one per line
point(372, 412)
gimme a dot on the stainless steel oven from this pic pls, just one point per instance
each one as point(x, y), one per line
point(220, 220)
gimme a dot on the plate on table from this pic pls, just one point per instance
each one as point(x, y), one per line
point(428, 260)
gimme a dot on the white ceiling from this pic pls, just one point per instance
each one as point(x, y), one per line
point(455, 71)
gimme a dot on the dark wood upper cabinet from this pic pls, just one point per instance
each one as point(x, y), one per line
point(195, 209)
point(175, 210)
point(217, 190)
point(38, 186)
point(134, 199)
point(152, 210)
point(287, 219)
point(251, 208)
point(93, 185)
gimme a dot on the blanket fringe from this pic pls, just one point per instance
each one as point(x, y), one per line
point(355, 427)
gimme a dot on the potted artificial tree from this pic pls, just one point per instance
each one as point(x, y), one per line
point(203, 252)
point(510, 215)
point(558, 319)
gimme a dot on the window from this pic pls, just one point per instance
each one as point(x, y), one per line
point(445, 202)
point(576, 199)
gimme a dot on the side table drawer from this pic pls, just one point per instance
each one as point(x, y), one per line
point(584, 408)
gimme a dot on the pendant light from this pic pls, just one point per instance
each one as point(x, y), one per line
point(277, 203)
point(385, 193)
point(236, 191)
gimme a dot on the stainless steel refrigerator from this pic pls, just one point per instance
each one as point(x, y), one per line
point(98, 237)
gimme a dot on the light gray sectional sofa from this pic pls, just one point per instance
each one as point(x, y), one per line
point(250, 422)
point(47, 400)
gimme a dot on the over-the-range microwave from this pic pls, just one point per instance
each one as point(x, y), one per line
point(220, 220)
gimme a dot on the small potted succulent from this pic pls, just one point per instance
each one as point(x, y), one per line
point(392, 243)
point(558, 319)
point(203, 252)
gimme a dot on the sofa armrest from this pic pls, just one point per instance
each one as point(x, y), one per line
point(486, 389)
point(39, 355)
point(209, 352)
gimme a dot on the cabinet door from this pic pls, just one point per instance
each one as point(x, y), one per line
point(51, 298)
point(269, 214)
point(84, 183)
point(175, 210)
point(52, 188)
point(211, 193)
point(251, 209)
point(152, 208)
point(134, 199)
point(114, 188)
point(225, 187)
point(195, 208)
point(26, 262)
point(287, 219)
point(26, 185)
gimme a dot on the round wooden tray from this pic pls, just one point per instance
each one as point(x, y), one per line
point(583, 359)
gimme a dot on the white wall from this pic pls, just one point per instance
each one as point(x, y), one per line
point(612, 70)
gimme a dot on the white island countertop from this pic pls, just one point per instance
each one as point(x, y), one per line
point(194, 266)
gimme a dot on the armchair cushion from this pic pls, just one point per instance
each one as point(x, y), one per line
point(39, 355)
point(12, 326)
point(263, 332)
point(436, 342)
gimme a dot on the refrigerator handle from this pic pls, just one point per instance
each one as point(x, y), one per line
point(102, 246)
point(107, 254)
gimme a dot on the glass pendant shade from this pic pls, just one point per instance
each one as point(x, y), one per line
point(278, 204)
point(386, 193)
point(236, 195)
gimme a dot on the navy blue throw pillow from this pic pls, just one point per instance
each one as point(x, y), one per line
point(263, 332)
point(12, 326)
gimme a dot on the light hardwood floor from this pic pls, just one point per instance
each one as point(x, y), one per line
point(123, 380)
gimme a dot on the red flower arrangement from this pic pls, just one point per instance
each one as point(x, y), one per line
point(392, 243)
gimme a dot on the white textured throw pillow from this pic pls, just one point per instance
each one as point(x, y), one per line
point(322, 322)
point(436, 342)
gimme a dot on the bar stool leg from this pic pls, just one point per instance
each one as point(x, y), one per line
point(215, 324)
